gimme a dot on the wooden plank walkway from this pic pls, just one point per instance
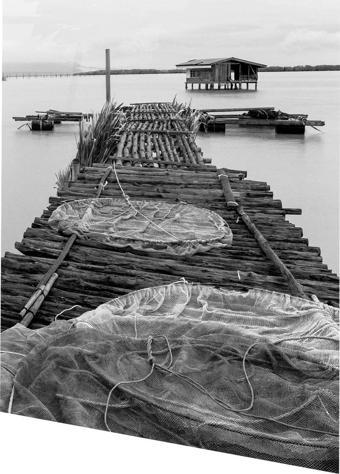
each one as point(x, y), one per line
point(93, 273)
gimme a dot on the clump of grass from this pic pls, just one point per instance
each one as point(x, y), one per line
point(98, 139)
point(191, 116)
point(63, 177)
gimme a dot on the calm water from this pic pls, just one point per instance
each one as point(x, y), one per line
point(302, 171)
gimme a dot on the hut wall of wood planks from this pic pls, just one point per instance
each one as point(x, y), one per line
point(156, 158)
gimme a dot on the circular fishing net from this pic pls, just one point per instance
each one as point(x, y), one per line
point(177, 228)
point(253, 373)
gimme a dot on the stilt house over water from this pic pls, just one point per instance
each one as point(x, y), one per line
point(227, 73)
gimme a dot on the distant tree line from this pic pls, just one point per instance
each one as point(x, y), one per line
point(130, 71)
point(321, 67)
point(100, 72)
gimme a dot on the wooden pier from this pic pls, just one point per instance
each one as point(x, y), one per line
point(155, 157)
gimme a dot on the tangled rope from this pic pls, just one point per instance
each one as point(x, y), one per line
point(198, 386)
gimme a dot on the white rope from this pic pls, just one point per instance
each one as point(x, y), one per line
point(67, 309)
point(84, 322)
point(11, 352)
point(10, 404)
point(127, 199)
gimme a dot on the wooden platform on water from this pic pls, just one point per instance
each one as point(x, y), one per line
point(220, 119)
point(93, 273)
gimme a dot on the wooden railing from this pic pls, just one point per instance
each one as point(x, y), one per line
point(248, 78)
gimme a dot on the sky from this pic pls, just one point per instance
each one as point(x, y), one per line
point(159, 33)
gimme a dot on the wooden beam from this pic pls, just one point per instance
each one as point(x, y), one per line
point(237, 109)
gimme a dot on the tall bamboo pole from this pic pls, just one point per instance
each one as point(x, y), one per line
point(108, 75)
point(294, 286)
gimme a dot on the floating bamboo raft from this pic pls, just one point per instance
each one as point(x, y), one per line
point(267, 252)
point(218, 119)
point(54, 115)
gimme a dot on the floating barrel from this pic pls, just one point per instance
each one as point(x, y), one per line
point(42, 125)
point(212, 126)
point(290, 127)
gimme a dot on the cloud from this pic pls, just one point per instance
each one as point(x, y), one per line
point(159, 33)
point(304, 39)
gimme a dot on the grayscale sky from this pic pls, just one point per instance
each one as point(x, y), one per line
point(159, 33)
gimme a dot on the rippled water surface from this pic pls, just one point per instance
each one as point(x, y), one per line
point(303, 171)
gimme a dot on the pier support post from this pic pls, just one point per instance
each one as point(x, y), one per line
point(108, 75)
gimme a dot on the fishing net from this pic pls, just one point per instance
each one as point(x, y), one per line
point(254, 374)
point(180, 228)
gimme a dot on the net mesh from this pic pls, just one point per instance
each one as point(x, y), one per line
point(177, 228)
point(253, 373)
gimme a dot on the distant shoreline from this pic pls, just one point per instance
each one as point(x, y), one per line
point(321, 67)
point(117, 72)
point(307, 68)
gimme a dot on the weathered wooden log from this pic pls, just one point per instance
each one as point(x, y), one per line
point(228, 193)
point(149, 147)
point(186, 149)
point(239, 260)
point(135, 146)
point(77, 276)
point(128, 146)
point(142, 146)
point(295, 287)
point(169, 148)
point(165, 155)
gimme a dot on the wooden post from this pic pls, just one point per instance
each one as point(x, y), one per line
point(108, 75)
point(75, 168)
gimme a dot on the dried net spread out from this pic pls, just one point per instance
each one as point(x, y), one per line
point(253, 373)
point(177, 228)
